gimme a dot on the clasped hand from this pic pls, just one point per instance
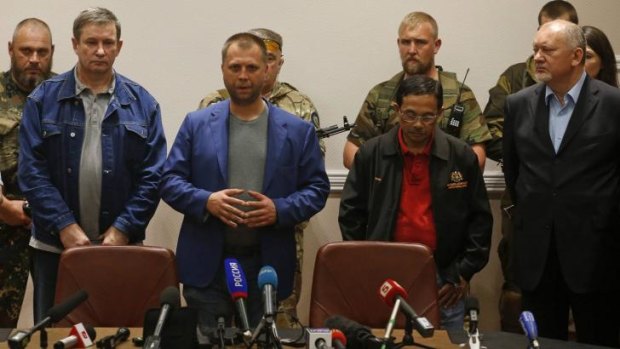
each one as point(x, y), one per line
point(225, 205)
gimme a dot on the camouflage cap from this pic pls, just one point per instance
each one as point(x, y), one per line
point(268, 35)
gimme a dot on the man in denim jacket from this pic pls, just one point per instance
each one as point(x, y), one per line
point(92, 149)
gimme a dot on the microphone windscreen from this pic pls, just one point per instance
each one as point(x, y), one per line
point(235, 279)
point(92, 334)
point(59, 311)
point(122, 334)
point(338, 335)
point(170, 295)
point(471, 303)
point(356, 334)
point(267, 276)
point(389, 290)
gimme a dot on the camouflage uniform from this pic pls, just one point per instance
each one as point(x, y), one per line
point(286, 97)
point(14, 250)
point(514, 79)
point(376, 116)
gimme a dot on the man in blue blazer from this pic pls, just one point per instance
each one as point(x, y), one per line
point(561, 161)
point(243, 173)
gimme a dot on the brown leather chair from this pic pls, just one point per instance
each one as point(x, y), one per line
point(122, 283)
point(347, 277)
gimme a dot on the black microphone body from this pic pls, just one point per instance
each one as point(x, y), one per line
point(357, 335)
point(169, 299)
point(110, 342)
point(21, 339)
point(421, 324)
point(471, 309)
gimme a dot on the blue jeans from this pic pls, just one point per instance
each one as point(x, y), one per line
point(44, 274)
point(215, 301)
point(451, 318)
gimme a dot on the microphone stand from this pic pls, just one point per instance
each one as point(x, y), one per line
point(43, 337)
point(267, 328)
point(334, 129)
point(220, 331)
point(408, 339)
point(408, 333)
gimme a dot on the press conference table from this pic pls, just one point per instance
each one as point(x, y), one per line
point(439, 340)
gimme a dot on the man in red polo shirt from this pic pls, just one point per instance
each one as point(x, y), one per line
point(418, 184)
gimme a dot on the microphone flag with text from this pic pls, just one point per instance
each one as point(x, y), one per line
point(528, 323)
point(80, 336)
point(393, 293)
point(238, 289)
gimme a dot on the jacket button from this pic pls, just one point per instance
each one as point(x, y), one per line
point(107, 171)
point(72, 134)
point(69, 170)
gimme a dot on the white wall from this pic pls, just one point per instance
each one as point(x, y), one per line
point(334, 51)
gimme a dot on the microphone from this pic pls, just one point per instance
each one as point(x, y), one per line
point(391, 292)
point(110, 342)
point(238, 289)
point(339, 341)
point(357, 336)
point(472, 308)
point(168, 299)
point(528, 323)
point(268, 282)
point(80, 336)
point(21, 339)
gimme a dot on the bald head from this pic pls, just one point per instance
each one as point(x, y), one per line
point(571, 33)
point(559, 54)
point(29, 23)
point(31, 52)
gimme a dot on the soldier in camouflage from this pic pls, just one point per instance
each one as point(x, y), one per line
point(418, 43)
point(287, 97)
point(31, 53)
point(515, 78)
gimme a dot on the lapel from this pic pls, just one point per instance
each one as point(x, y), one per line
point(218, 125)
point(276, 137)
point(583, 111)
point(540, 112)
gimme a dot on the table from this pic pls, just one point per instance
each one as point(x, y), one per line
point(439, 340)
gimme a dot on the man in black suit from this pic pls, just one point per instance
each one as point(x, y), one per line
point(562, 166)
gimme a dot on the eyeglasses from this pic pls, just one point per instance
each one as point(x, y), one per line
point(411, 117)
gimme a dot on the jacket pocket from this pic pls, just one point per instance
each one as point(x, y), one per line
point(135, 143)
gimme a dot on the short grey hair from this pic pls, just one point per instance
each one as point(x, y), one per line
point(95, 15)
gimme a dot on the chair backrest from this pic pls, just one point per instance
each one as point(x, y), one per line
point(347, 277)
point(122, 283)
